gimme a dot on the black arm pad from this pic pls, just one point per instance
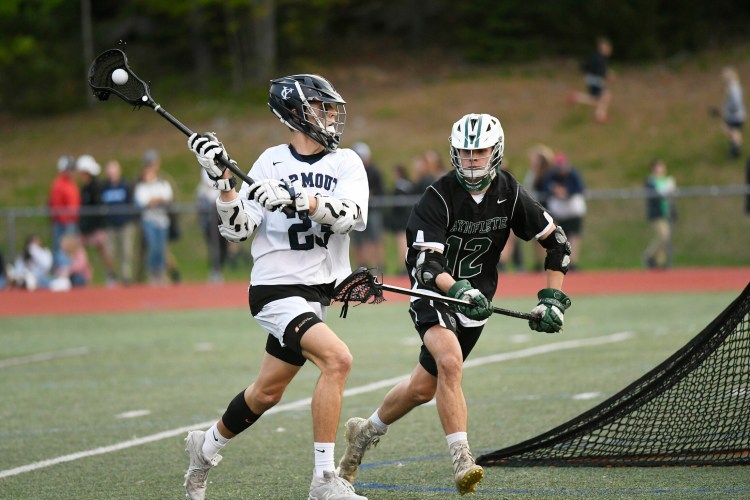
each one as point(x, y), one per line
point(558, 251)
point(430, 264)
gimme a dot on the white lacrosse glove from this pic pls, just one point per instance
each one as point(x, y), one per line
point(233, 233)
point(208, 150)
point(277, 195)
point(236, 225)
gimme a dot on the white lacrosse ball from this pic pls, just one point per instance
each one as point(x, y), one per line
point(120, 76)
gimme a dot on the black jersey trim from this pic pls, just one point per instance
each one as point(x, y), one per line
point(309, 159)
point(260, 295)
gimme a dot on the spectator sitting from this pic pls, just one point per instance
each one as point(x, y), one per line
point(79, 272)
point(33, 267)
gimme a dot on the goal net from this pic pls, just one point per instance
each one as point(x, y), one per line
point(693, 409)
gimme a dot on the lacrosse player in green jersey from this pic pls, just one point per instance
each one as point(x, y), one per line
point(455, 235)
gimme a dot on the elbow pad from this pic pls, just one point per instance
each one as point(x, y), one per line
point(236, 225)
point(558, 251)
point(341, 215)
point(430, 264)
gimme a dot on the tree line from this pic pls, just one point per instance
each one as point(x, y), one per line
point(47, 45)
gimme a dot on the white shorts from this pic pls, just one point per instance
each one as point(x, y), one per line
point(276, 315)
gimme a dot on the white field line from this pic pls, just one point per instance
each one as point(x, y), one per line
point(303, 403)
point(44, 356)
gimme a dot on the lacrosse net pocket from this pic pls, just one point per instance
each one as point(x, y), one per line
point(361, 287)
point(134, 91)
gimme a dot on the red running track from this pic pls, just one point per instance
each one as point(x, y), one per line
point(234, 295)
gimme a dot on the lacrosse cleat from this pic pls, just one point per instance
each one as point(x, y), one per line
point(195, 477)
point(360, 435)
point(467, 473)
point(332, 487)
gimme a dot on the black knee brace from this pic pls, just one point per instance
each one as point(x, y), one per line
point(238, 416)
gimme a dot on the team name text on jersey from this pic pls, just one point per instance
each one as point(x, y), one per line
point(484, 226)
point(318, 180)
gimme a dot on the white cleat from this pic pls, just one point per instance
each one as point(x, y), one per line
point(197, 473)
point(467, 473)
point(332, 487)
point(360, 435)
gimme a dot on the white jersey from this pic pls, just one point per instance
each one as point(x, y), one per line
point(292, 251)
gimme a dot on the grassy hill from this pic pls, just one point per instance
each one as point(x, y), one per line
point(403, 107)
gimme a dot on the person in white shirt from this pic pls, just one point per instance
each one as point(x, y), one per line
point(152, 195)
point(33, 267)
point(307, 196)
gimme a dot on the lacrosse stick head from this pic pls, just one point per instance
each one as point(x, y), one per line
point(361, 286)
point(133, 91)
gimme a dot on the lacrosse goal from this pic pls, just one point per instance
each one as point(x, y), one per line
point(692, 409)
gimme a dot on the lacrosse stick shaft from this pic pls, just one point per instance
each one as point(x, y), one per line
point(450, 300)
point(177, 123)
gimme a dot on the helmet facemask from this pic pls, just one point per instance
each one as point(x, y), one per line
point(477, 150)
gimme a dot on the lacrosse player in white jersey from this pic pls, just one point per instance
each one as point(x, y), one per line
point(307, 196)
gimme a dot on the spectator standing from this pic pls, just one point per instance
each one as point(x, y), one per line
point(92, 223)
point(216, 246)
point(596, 75)
point(422, 177)
point(734, 113)
point(3, 272)
point(660, 211)
point(64, 203)
point(429, 167)
point(402, 186)
point(566, 202)
point(541, 158)
point(117, 197)
point(152, 195)
point(369, 249)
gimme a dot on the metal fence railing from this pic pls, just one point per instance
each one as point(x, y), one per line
point(726, 207)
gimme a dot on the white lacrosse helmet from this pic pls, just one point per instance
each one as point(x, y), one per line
point(473, 132)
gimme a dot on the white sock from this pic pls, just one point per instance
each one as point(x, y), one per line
point(381, 427)
point(213, 443)
point(457, 437)
point(323, 458)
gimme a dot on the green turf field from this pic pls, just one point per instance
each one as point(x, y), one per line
point(96, 407)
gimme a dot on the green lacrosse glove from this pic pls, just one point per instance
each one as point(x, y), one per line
point(549, 311)
point(479, 309)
